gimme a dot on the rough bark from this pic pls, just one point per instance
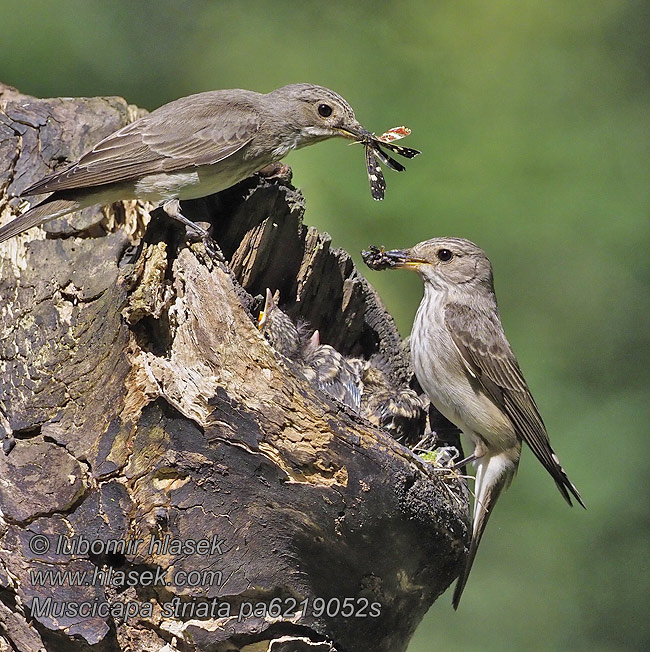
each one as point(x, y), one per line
point(145, 405)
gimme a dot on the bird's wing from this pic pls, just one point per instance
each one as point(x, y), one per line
point(333, 374)
point(193, 131)
point(488, 357)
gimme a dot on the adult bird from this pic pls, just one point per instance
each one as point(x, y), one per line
point(190, 148)
point(465, 365)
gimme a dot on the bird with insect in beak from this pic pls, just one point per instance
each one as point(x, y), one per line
point(466, 366)
point(196, 146)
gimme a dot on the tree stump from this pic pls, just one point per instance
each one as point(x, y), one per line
point(173, 483)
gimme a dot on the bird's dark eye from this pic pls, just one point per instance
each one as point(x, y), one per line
point(444, 255)
point(324, 110)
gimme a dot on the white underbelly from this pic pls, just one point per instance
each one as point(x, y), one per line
point(195, 183)
point(458, 397)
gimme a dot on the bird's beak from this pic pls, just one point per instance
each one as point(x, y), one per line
point(378, 258)
point(263, 316)
point(261, 319)
point(356, 132)
point(404, 258)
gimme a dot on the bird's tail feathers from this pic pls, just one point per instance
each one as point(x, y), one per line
point(38, 215)
point(566, 487)
point(493, 475)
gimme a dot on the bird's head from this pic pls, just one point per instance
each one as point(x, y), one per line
point(316, 113)
point(277, 327)
point(443, 263)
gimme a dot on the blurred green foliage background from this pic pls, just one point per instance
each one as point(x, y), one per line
point(534, 120)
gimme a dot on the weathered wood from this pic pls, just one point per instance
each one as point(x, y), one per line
point(146, 406)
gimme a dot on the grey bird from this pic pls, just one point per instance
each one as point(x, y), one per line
point(193, 147)
point(398, 410)
point(363, 385)
point(317, 363)
point(278, 328)
point(466, 366)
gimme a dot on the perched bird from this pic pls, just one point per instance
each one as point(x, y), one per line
point(283, 335)
point(465, 365)
point(193, 147)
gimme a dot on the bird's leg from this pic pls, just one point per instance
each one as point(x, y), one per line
point(276, 171)
point(173, 208)
point(467, 460)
